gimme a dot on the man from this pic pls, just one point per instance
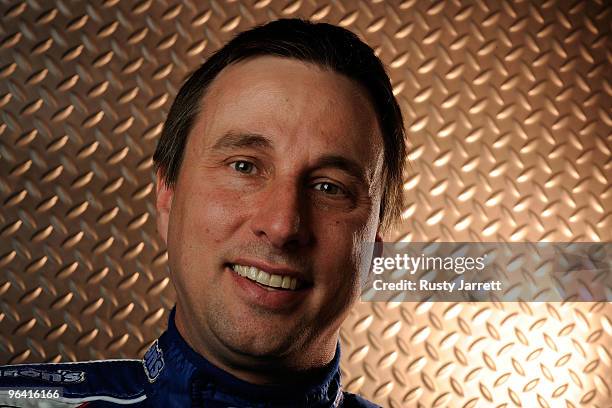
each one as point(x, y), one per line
point(281, 158)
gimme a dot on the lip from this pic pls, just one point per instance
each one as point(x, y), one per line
point(273, 300)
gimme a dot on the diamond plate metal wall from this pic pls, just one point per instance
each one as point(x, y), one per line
point(508, 107)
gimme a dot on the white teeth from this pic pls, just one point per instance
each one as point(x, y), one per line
point(242, 270)
point(275, 281)
point(263, 278)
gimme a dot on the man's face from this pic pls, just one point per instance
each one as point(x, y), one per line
point(281, 181)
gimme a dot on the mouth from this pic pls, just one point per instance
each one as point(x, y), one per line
point(267, 280)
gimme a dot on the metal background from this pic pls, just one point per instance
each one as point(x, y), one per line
point(508, 108)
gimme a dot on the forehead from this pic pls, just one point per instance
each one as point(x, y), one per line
point(291, 100)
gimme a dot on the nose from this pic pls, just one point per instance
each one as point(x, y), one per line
point(281, 217)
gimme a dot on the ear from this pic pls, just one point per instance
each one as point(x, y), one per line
point(377, 251)
point(163, 203)
point(378, 247)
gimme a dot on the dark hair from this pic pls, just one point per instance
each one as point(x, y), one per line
point(326, 45)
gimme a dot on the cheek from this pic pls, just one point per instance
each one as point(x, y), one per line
point(204, 216)
point(336, 246)
point(344, 243)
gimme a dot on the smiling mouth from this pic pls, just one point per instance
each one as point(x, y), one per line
point(267, 280)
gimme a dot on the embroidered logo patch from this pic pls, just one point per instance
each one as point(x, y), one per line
point(153, 362)
point(55, 377)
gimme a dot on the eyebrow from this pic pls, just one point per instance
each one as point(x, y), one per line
point(234, 140)
point(342, 163)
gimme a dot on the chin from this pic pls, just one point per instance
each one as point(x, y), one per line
point(259, 352)
point(253, 337)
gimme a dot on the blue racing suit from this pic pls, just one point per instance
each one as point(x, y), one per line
point(171, 374)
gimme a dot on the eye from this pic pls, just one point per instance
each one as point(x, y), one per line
point(329, 188)
point(243, 166)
